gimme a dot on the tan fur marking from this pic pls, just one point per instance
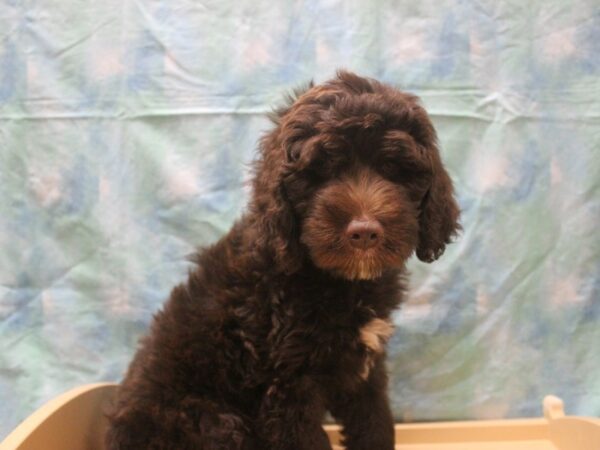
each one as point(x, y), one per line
point(374, 335)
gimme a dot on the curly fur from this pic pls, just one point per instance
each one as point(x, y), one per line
point(282, 319)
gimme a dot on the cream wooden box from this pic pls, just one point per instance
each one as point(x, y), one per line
point(75, 421)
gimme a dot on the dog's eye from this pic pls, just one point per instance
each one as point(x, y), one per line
point(293, 151)
point(334, 164)
point(399, 167)
point(389, 168)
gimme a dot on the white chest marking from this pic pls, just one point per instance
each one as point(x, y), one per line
point(374, 335)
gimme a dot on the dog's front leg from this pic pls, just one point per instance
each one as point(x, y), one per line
point(291, 417)
point(365, 414)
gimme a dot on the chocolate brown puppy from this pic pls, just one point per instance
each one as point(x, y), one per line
point(287, 316)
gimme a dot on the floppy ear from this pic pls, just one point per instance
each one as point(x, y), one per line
point(438, 221)
point(278, 227)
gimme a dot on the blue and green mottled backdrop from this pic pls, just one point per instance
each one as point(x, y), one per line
point(126, 129)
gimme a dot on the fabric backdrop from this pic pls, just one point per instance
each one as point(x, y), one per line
point(126, 132)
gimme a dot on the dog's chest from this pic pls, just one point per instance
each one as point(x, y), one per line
point(374, 336)
point(337, 341)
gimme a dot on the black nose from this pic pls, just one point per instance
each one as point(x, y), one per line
point(364, 233)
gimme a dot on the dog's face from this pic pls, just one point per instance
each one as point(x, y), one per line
point(356, 180)
point(362, 218)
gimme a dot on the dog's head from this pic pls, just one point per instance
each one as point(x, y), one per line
point(351, 177)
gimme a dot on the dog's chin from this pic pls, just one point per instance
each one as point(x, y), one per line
point(359, 265)
point(359, 271)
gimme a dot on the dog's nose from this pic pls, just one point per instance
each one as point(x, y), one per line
point(364, 233)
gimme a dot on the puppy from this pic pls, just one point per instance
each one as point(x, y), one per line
point(288, 315)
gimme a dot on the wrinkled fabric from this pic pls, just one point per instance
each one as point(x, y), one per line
point(126, 133)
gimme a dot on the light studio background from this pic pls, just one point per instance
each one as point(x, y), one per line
point(126, 129)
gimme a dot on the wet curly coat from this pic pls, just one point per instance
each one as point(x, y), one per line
point(286, 317)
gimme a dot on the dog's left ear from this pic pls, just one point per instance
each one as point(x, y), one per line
point(438, 221)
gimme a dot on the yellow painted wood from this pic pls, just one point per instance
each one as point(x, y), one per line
point(75, 421)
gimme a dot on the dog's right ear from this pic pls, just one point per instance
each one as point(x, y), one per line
point(280, 153)
point(278, 226)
